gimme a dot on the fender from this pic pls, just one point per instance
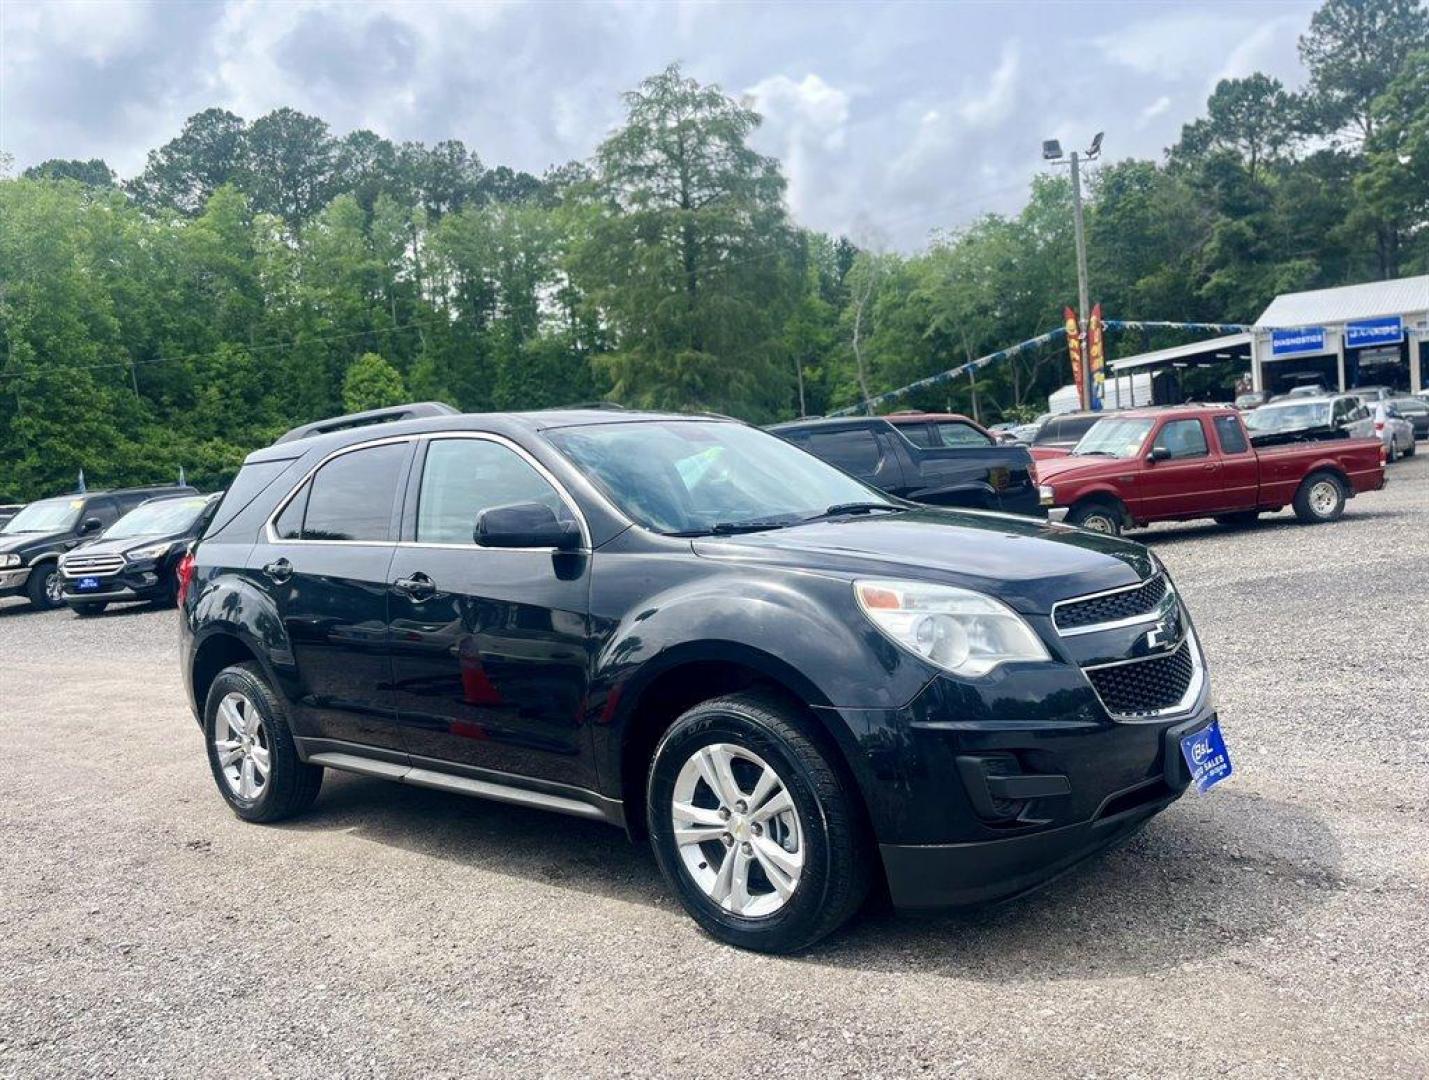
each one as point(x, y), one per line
point(812, 640)
point(234, 608)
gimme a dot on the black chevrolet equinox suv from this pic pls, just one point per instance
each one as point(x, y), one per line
point(795, 687)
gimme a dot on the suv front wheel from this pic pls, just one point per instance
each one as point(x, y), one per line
point(251, 750)
point(753, 826)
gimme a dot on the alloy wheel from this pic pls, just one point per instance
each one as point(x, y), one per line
point(737, 830)
point(54, 589)
point(241, 743)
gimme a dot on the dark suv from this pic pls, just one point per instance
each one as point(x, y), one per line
point(792, 685)
point(32, 541)
point(137, 557)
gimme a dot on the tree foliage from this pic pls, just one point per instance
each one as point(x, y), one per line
point(256, 275)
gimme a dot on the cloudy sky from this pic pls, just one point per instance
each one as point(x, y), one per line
point(891, 119)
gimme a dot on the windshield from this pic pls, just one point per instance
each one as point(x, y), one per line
point(159, 517)
point(47, 515)
point(1273, 418)
point(689, 476)
point(1114, 438)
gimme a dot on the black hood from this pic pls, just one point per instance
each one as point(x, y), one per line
point(1026, 563)
point(119, 545)
point(26, 542)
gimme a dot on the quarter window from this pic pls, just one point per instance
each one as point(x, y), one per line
point(350, 498)
point(1184, 438)
point(1232, 438)
point(463, 477)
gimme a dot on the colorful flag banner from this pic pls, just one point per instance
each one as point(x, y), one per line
point(1074, 348)
point(1096, 354)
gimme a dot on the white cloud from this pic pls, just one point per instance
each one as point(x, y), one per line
point(1152, 111)
point(995, 104)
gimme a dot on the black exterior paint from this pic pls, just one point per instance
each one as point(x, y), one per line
point(990, 477)
point(541, 669)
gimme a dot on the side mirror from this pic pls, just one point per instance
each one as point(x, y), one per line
point(525, 525)
point(90, 525)
point(1158, 453)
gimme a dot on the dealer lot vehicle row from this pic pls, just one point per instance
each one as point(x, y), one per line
point(398, 930)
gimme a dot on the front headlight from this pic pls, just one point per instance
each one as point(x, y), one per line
point(959, 630)
point(1046, 495)
point(144, 554)
point(9, 560)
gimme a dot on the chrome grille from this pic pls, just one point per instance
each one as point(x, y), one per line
point(79, 565)
point(1118, 605)
point(1143, 688)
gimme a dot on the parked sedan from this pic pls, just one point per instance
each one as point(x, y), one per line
point(1394, 431)
point(1416, 411)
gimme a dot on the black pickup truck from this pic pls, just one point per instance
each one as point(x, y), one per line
point(980, 476)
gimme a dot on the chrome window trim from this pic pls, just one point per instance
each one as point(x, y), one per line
point(271, 534)
point(1130, 620)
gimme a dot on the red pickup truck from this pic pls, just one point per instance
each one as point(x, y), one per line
point(1173, 464)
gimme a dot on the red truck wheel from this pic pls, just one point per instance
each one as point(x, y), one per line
point(1321, 498)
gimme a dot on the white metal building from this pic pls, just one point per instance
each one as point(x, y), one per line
point(1355, 335)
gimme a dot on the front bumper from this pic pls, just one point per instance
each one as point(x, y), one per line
point(144, 582)
point(1057, 513)
point(14, 581)
point(989, 870)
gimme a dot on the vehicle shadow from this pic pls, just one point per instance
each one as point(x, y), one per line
point(1204, 877)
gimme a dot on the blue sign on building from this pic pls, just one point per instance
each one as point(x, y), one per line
point(1305, 339)
point(1386, 331)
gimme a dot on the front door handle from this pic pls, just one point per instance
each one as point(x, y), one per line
point(280, 570)
point(418, 586)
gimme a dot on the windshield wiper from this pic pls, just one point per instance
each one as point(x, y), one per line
point(856, 508)
point(1092, 453)
point(726, 528)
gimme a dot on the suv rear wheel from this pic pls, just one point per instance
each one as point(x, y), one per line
point(754, 828)
point(251, 750)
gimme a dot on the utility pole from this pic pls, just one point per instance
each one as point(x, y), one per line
point(1083, 291)
point(1052, 151)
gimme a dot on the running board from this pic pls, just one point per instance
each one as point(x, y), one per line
point(461, 785)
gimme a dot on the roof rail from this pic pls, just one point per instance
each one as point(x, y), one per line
point(412, 411)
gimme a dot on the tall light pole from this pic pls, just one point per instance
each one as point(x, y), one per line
point(1052, 151)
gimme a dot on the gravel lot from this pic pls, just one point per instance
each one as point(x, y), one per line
point(1277, 926)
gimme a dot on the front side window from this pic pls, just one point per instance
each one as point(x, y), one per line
point(1183, 438)
point(691, 476)
point(351, 497)
point(1230, 435)
point(955, 433)
point(463, 477)
point(103, 509)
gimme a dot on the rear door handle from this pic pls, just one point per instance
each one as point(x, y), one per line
point(418, 586)
point(280, 570)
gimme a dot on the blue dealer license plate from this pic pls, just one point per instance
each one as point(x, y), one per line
point(1207, 757)
point(86, 584)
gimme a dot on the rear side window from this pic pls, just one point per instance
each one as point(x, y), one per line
point(463, 477)
point(1184, 438)
point(1230, 435)
point(852, 451)
point(954, 433)
point(351, 497)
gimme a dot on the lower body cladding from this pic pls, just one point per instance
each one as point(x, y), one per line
point(978, 809)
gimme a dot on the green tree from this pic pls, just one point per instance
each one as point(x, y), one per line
point(1353, 51)
point(688, 261)
point(289, 166)
point(183, 173)
point(371, 383)
point(92, 173)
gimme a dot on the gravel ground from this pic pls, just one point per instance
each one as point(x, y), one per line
point(1276, 926)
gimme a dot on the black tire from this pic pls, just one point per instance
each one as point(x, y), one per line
point(89, 608)
point(39, 587)
point(292, 784)
point(838, 853)
point(1314, 504)
point(1239, 519)
point(1098, 516)
point(1413, 448)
